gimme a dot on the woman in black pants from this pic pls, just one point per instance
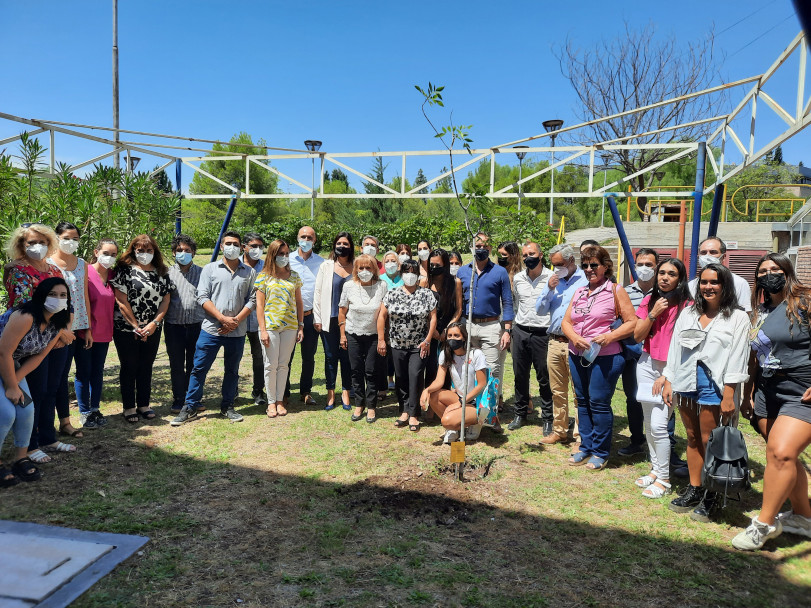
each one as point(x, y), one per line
point(447, 291)
point(142, 289)
point(411, 313)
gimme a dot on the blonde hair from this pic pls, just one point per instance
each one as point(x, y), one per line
point(15, 247)
point(361, 259)
point(270, 267)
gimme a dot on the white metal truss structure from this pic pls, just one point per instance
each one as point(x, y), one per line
point(742, 153)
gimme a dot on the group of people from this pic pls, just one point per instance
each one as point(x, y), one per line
point(710, 348)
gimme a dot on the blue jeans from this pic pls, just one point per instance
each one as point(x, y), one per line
point(13, 416)
point(594, 387)
point(208, 346)
point(44, 384)
point(334, 354)
point(90, 375)
point(180, 346)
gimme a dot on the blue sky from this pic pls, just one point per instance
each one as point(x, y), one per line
point(341, 72)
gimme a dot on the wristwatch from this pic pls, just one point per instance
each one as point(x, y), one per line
point(651, 318)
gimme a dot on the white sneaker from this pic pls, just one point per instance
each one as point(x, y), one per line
point(795, 524)
point(450, 437)
point(756, 535)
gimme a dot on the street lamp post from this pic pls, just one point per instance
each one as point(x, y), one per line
point(552, 126)
point(520, 156)
point(313, 145)
point(132, 162)
point(606, 157)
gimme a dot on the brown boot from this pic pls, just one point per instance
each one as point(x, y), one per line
point(554, 438)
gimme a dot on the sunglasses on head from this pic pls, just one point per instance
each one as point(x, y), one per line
point(593, 266)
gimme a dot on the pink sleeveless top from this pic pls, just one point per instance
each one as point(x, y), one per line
point(592, 314)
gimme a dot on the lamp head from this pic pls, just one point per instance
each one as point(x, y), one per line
point(520, 155)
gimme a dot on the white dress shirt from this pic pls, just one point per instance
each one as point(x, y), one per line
point(527, 293)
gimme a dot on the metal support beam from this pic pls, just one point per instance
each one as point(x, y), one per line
point(701, 160)
point(715, 214)
point(224, 227)
point(178, 186)
point(626, 246)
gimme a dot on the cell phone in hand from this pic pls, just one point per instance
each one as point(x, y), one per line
point(26, 401)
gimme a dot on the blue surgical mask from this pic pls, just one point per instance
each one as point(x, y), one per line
point(305, 245)
point(183, 257)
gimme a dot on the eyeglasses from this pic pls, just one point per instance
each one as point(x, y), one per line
point(585, 308)
point(593, 266)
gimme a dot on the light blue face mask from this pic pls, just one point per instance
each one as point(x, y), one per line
point(591, 354)
point(304, 245)
point(183, 257)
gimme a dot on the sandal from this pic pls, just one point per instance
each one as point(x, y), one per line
point(131, 418)
point(59, 447)
point(76, 433)
point(148, 414)
point(645, 481)
point(657, 489)
point(596, 463)
point(400, 423)
point(39, 456)
point(25, 470)
point(281, 410)
point(5, 481)
point(578, 459)
point(413, 427)
point(271, 411)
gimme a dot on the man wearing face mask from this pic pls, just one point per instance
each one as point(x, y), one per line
point(370, 246)
point(253, 246)
point(714, 251)
point(184, 317)
point(306, 263)
point(492, 303)
point(227, 294)
point(530, 341)
point(645, 262)
point(553, 301)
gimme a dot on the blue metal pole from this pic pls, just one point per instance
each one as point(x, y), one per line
point(178, 178)
point(698, 198)
point(715, 214)
point(224, 228)
point(626, 247)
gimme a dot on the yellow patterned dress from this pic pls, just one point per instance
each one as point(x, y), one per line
point(280, 300)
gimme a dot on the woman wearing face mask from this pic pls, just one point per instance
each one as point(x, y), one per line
point(706, 362)
point(423, 253)
point(329, 282)
point(90, 361)
point(74, 271)
point(29, 248)
point(142, 288)
point(509, 258)
point(595, 353)
point(447, 404)
point(281, 321)
point(455, 259)
point(657, 315)
point(780, 376)
point(28, 333)
point(403, 252)
point(411, 313)
point(391, 270)
point(447, 291)
point(357, 317)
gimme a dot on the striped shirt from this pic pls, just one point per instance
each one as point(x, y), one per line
point(183, 306)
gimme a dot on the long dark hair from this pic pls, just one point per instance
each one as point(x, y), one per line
point(449, 354)
point(797, 294)
point(513, 258)
point(729, 299)
point(447, 283)
point(682, 288)
point(36, 305)
point(348, 237)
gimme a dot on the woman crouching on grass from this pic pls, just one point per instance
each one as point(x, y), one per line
point(447, 404)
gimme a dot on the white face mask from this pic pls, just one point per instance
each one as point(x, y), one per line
point(391, 267)
point(54, 305)
point(403, 257)
point(231, 252)
point(106, 261)
point(454, 269)
point(370, 250)
point(562, 272)
point(423, 254)
point(282, 260)
point(37, 252)
point(144, 258)
point(644, 273)
point(255, 253)
point(305, 245)
point(68, 246)
point(410, 279)
point(704, 260)
point(365, 275)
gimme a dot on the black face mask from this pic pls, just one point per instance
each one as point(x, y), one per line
point(456, 344)
point(772, 283)
point(502, 261)
point(341, 251)
point(436, 270)
point(482, 254)
point(531, 262)
point(666, 294)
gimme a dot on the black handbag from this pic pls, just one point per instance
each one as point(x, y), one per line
point(726, 463)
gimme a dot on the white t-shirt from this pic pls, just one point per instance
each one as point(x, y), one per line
point(362, 304)
point(477, 362)
point(742, 290)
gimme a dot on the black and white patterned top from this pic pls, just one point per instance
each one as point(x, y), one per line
point(409, 316)
point(33, 342)
point(144, 290)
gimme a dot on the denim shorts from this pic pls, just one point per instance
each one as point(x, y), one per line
point(707, 391)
